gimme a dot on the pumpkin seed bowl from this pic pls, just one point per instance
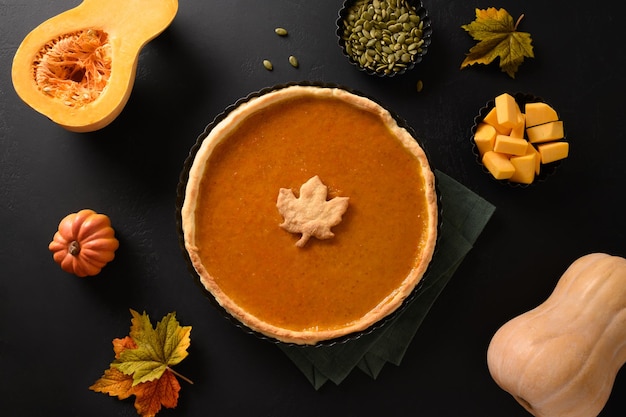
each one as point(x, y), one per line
point(384, 37)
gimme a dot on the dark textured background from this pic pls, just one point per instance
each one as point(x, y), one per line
point(56, 329)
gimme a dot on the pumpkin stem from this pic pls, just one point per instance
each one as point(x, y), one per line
point(74, 248)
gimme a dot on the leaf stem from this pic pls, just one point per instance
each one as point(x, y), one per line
point(183, 377)
point(519, 19)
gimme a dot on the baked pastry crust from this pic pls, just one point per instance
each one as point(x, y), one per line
point(192, 208)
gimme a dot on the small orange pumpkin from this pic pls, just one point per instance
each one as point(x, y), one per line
point(84, 243)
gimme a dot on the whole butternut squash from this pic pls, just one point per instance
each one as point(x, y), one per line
point(78, 68)
point(561, 358)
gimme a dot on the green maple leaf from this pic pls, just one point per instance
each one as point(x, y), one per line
point(498, 37)
point(157, 348)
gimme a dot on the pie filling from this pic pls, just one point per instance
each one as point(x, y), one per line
point(327, 287)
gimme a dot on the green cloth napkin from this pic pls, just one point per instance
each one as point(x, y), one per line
point(464, 215)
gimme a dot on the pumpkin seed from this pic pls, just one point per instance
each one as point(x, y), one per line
point(382, 35)
point(420, 86)
point(268, 64)
point(293, 61)
point(281, 31)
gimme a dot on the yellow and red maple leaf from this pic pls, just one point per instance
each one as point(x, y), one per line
point(150, 396)
point(114, 383)
point(154, 385)
point(119, 345)
point(498, 38)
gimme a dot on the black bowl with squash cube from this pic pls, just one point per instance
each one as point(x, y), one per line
point(514, 132)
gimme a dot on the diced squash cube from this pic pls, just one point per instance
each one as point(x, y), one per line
point(498, 165)
point(524, 168)
point(484, 130)
point(533, 151)
point(492, 119)
point(485, 137)
point(509, 145)
point(507, 110)
point(518, 130)
point(553, 151)
point(539, 113)
point(545, 132)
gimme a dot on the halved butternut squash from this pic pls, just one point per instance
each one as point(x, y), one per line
point(78, 68)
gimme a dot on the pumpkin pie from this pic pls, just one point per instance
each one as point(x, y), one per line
point(309, 213)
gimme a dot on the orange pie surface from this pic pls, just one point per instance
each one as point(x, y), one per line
point(328, 287)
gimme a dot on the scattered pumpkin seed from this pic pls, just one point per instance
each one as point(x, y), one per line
point(268, 64)
point(281, 31)
point(383, 35)
point(420, 86)
point(293, 61)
